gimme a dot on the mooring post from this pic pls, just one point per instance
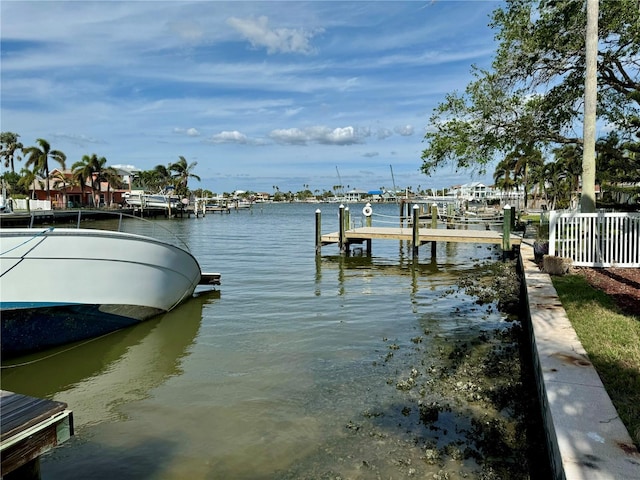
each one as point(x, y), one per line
point(368, 212)
point(450, 213)
point(434, 224)
point(318, 231)
point(341, 235)
point(506, 230)
point(434, 215)
point(416, 230)
point(347, 226)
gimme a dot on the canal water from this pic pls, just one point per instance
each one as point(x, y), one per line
point(300, 366)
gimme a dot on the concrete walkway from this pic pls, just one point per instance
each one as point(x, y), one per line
point(586, 438)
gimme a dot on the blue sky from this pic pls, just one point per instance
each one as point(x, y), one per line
point(259, 94)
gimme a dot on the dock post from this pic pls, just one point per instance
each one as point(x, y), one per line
point(416, 230)
point(434, 215)
point(434, 224)
point(450, 213)
point(341, 234)
point(318, 231)
point(506, 231)
point(368, 210)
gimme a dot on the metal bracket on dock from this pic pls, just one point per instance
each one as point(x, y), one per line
point(209, 279)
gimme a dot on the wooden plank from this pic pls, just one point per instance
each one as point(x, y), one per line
point(30, 427)
point(20, 412)
point(424, 235)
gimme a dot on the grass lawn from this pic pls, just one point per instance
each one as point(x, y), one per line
point(612, 341)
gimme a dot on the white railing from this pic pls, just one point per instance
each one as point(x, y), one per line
point(596, 239)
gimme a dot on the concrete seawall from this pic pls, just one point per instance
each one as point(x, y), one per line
point(585, 437)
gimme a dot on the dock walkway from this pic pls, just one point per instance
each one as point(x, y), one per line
point(357, 235)
point(417, 232)
point(30, 427)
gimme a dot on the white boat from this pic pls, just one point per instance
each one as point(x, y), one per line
point(138, 198)
point(59, 285)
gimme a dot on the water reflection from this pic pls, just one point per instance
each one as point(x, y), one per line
point(96, 376)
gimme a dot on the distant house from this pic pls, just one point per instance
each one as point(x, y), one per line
point(65, 193)
point(470, 191)
point(355, 195)
point(381, 196)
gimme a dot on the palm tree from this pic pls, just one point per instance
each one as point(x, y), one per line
point(182, 174)
point(527, 158)
point(110, 176)
point(88, 170)
point(38, 158)
point(569, 160)
point(502, 176)
point(10, 145)
point(28, 181)
point(62, 182)
point(155, 180)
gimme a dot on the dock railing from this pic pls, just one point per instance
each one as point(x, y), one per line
point(596, 239)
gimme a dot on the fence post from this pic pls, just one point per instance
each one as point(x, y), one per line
point(506, 230)
point(318, 231)
point(553, 221)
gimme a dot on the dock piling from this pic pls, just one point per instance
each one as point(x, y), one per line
point(416, 230)
point(434, 225)
point(341, 234)
point(318, 231)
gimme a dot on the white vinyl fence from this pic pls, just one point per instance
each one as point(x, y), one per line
point(21, 204)
point(596, 239)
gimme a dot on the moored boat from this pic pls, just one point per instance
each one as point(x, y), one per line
point(59, 285)
point(138, 198)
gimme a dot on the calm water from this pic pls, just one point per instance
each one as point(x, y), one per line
point(292, 369)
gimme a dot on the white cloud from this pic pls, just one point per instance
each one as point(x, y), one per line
point(405, 130)
point(319, 134)
point(285, 40)
point(230, 137)
point(290, 136)
point(190, 132)
point(384, 133)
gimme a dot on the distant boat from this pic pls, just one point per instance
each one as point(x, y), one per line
point(60, 285)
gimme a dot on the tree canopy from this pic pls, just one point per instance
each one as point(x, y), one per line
point(534, 92)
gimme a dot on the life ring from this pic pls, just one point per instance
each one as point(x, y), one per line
point(367, 211)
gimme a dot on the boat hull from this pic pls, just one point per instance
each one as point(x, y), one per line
point(63, 285)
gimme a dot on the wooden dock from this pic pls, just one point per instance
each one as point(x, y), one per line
point(30, 427)
point(358, 235)
point(417, 234)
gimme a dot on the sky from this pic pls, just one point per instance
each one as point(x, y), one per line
point(260, 94)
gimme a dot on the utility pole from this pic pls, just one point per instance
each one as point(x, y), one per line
point(588, 197)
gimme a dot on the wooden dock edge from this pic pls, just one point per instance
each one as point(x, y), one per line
point(35, 433)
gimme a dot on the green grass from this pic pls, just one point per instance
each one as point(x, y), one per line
point(612, 341)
